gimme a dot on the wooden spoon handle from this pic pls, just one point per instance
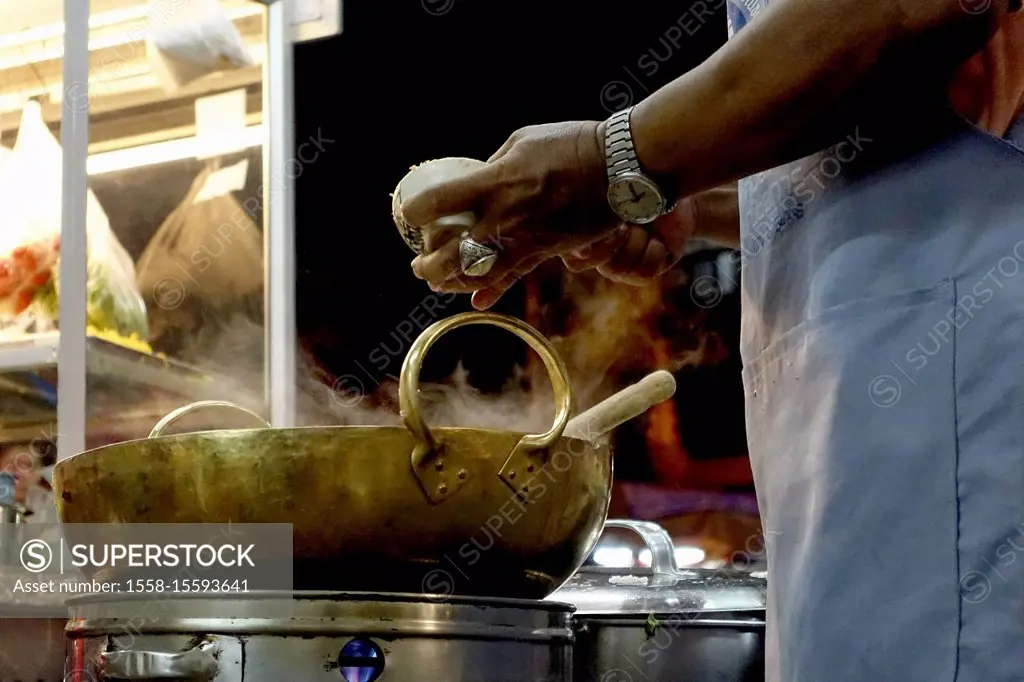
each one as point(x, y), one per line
point(620, 408)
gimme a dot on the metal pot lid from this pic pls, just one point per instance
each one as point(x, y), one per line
point(663, 588)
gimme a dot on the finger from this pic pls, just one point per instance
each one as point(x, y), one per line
point(439, 265)
point(461, 195)
point(485, 298)
point(675, 229)
point(577, 260)
point(443, 269)
point(464, 284)
point(503, 150)
point(445, 262)
point(435, 236)
point(652, 263)
point(626, 258)
point(605, 249)
point(576, 265)
point(651, 250)
point(596, 253)
point(655, 260)
point(504, 276)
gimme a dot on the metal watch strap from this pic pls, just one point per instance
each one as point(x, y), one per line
point(620, 156)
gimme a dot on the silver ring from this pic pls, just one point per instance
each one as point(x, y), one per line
point(475, 258)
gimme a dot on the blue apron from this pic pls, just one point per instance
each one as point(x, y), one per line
point(883, 351)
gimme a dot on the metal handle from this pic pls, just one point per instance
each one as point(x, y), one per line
point(436, 482)
point(198, 664)
point(682, 620)
point(182, 411)
point(663, 553)
point(622, 406)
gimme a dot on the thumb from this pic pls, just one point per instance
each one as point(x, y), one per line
point(597, 252)
point(674, 230)
point(447, 198)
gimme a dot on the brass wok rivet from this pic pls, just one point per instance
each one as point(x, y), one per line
point(462, 474)
point(439, 465)
point(442, 489)
point(511, 475)
point(530, 469)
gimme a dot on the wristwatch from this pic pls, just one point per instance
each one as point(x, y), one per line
point(632, 195)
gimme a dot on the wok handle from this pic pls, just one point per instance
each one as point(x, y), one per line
point(198, 664)
point(657, 539)
point(628, 403)
point(177, 414)
point(435, 480)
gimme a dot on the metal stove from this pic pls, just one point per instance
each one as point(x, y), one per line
point(328, 637)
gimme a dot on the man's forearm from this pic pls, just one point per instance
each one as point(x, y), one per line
point(748, 108)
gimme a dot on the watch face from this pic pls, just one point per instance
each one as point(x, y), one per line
point(635, 199)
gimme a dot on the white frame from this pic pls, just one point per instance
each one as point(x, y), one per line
point(279, 215)
point(74, 138)
point(329, 24)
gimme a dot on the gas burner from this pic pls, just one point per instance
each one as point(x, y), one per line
point(319, 636)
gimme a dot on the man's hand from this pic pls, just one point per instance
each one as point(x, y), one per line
point(631, 254)
point(636, 254)
point(542, 194)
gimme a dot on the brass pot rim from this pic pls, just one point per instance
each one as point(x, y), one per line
point(318, 430)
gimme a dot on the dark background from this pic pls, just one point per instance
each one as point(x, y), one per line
point(409, 81)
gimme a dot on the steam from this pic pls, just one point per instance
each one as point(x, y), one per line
point(613, 333)
point(234, 355)
point(608, 335)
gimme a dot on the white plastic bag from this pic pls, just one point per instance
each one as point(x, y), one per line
point(189, 39)
point(30, 222)
point(16, 319)
point(28, 247)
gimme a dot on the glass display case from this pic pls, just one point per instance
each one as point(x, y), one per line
point(147, 166)
point(147, 169)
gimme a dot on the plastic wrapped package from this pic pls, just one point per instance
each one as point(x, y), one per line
point(189, 39)
point(27, 254)
point(30, 211)
point(204, 263)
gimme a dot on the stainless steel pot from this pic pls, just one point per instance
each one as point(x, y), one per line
point(31, 640)
point(31, 646)
point(329, 638)
point(665, 624)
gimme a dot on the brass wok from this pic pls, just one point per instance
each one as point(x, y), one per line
point(374, 508)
